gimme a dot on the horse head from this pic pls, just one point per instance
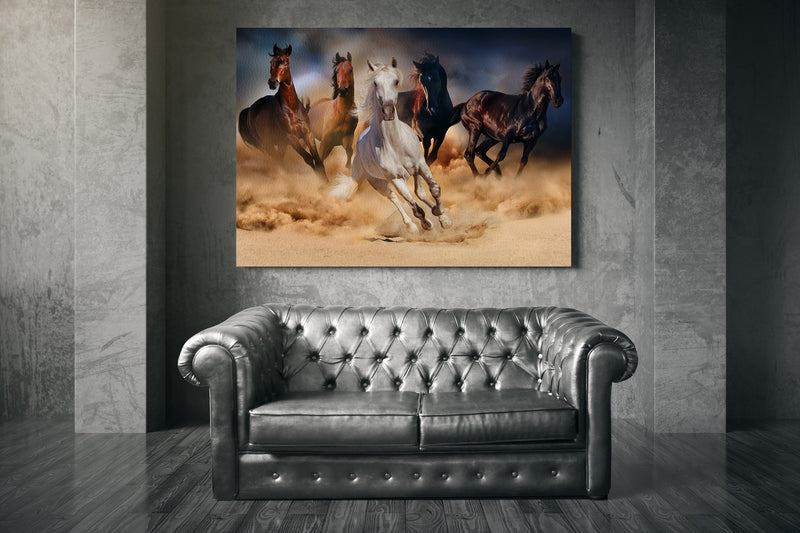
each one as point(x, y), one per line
point(385, 81)
point(342, 75)
point(279, 66)
point(432, 80)
point(552, 83)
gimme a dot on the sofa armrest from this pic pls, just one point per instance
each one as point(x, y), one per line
point(583, 357)
point(238, 361)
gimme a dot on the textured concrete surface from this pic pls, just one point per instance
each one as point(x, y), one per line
point(36, 209)
point(203, 284)
point(110, 217)
point(763, 159)
point(689, 373)
point(644, 195)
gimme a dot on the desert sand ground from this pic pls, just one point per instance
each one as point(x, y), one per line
point(285, 216)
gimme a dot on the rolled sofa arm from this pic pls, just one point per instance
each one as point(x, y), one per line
point(238, 361)
point(584, 357)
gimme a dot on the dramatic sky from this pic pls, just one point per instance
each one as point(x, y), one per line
point(474, 59)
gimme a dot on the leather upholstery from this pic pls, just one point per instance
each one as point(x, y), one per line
point(321, 421)
point(494, 417)
point(268, 352)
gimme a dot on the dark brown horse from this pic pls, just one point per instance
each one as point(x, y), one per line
point(427, 108)
point(332, 119)
point(276, 120)
point(510, 118)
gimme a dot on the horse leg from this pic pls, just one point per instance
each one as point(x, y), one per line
point(500, 157)
point(382, 186)
point(402, 188)
point(437, 143)
point(484, 147)
point(469, 153)
point(525, 152)
point(426, 144)
point(312, 149)
point(347, 143)
point(307, 157)
point(325, 148)
point(436, 192)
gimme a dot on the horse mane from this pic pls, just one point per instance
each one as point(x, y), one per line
point(366, 105)
point(530, 77)
point(334, 83)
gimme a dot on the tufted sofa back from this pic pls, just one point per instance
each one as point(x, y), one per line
point(411, 349)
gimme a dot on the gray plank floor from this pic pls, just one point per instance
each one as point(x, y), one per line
point(54, 480)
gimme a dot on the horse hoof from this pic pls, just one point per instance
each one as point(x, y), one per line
point(426, 224)
point(412, 228)
point(445, 221)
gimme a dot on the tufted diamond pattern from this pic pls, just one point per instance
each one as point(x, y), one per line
point(411, 349)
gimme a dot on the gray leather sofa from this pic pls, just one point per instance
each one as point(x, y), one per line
point(365, 402)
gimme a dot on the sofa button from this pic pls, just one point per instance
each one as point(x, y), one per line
point(514, 474)
point(459, 383)
point(491, 331)
point(415, 475)
point(275, 475)
point(330, 385)
point(348, 357)
point(459, 332)
point(479, 475)
point(413, 359)
point(429, 384)
point(364, 383)
point(351, 476)
point(554, 472)
point(364, 332)
point(387, 475)
point(428, 333)
point(314, 475)
point(509, 356)
point(398, 382)
point(445, 476)
point(524, 331)
point(491, 384)
point(396, 332)
point(299, 329)
point(332, 331)
point(445, 357)
point(476, 357)
point(540, 356)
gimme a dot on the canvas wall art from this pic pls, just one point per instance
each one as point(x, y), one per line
point(403, 147)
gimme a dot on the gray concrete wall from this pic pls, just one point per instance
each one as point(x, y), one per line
point(110, 217)
point(36, 209)
point(689, 247)
point(763, 162)
point(203, 284)
point(644, 197)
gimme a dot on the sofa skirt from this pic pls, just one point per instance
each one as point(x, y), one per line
point(423, 475)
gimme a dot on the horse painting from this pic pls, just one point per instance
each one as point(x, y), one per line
point(274, 121)
point(389, 153)
point(506, 118)
point(427, 108)
point(332, 119)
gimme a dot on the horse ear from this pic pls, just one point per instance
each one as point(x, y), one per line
point(338, 58)
point(275, 49)
point(546, 63)
point(289, 50)
point(417, 65)
point(394, 63)
point(349, 57)
point(436, 60)
point(556, 67)
point(371, 66)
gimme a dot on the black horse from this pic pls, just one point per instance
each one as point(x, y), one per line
point(427, 108)
point(510, 118)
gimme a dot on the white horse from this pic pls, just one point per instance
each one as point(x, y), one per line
point(388, 151)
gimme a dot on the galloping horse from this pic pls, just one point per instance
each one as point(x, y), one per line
point(332, 120)
point(508, 118)
point(389, 152)
point(427, 108)
point(276, 120)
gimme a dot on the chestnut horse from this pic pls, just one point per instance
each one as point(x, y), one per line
point(332, 119)
point(274, 121)
point(510, 118)
point(427, 108)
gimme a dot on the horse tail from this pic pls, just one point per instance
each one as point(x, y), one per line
point(344, 187)
point(244, 127)
point(456, 116)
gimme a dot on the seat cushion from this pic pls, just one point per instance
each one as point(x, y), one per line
point(451, 419)
point(321, 421)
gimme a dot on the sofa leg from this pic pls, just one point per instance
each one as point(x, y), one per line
point(596, 497)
